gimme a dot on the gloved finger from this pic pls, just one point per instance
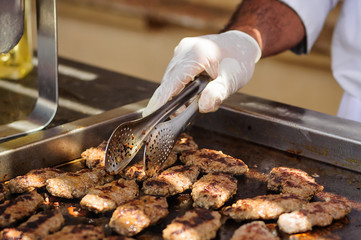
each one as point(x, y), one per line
point(176, 77)
point(231, 77)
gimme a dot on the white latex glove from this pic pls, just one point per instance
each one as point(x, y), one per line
point(228, 58)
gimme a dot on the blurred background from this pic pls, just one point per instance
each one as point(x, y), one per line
point(137, 37)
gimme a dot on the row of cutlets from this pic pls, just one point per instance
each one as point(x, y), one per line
point(100, 192)
point(207, 174)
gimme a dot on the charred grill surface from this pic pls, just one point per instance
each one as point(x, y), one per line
point(260, 161)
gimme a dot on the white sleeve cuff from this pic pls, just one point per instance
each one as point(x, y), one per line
point(313, 15)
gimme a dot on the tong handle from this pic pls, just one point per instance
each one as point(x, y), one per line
point(194, 88)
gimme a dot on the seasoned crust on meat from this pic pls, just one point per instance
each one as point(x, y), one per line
point(109, 196)
point(313, 214)
point(295, 181)
point(214, 161)
point(34, 179)
point(134, 216)
point(4, 191)
point(198, 223)
point(94, 156)
point(253, 230)
point(75, 185)
point(118, 237)
point(264, 207)
point(185, 142)
point(213, 190)
point(36, 227)
point(171, 181)
point(137, 171)
point(19, 208)
point(79, 231)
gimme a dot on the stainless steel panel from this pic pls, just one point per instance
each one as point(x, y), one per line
point(300, 131)
point(61, 144)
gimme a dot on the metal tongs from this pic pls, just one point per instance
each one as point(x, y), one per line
point(159, 139)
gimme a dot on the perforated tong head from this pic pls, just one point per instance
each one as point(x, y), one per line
point(129, 137)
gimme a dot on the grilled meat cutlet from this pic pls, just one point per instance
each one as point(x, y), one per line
point(213, 190)
point(79, 231)
point(295, 181)
point(4, 191)
point(253, 230)
point(94, 156)
point(171, 181)
point(36, 227)
point(22, 206)
point(185, 142)
point(214, 161)
point(132, 217)
point(313, 214)
point(109, 196)
point(198, 223)
point(137, 171)
point(34, 179)
point(77, 184)
point(264, 207)
point(118, 237)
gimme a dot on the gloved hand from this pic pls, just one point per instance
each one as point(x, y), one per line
point(228, 58)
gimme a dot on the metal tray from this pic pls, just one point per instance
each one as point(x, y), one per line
point(263, 134)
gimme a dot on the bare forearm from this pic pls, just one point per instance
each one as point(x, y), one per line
point(274, 25)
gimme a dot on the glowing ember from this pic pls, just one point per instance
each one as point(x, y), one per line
point(72, 211)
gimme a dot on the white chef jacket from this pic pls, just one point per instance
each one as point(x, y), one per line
point(345, 49)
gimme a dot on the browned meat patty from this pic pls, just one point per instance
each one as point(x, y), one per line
point(264, 207)
point(213, 190)
point(214, 161)
point(137, 171)
point(118, 238)
point(252, 231)
point(19, 208)
point(185, 142)
point(198, 223)
point(33, 179)
point(76, 185)
point(36, 227)
point(134, 216)
point(94, 156)
point(109, 196)
point(74, 232)
point(4, 191)
point(313, 214)
point(295, 181)
point(172, 181)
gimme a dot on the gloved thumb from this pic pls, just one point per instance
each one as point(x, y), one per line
point(231, 77)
